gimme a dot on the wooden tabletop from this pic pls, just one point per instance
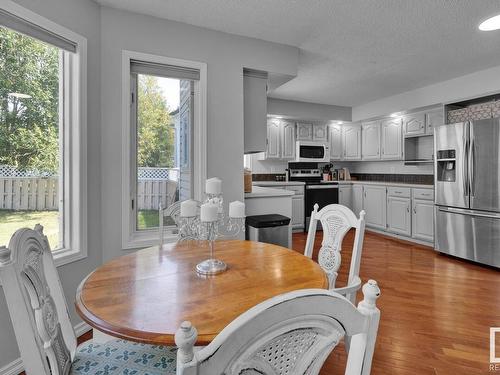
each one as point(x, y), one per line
point(145, 296)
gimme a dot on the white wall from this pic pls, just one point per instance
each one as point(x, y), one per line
point(308, 111)
point(267, 166)
point(473, 85)
point(225, 55)
point(81, 16)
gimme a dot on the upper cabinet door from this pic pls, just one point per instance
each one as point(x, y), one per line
point(335, 142)
point(288, 140)
point(304, 132)
point(351, 141)
point(273, 139)
point(414, 124)
point(320, 133)
point(371, 140)
point(391, 139)
point(433, 119)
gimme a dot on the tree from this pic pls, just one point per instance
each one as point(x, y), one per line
point(29, 126)
point(155, 143)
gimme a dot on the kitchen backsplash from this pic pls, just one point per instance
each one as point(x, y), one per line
point(426, 179)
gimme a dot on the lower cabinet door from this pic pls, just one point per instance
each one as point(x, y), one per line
point(357, 199)
point(298, 212)
point(398, 215)
point(375, 205)
point(423, 220)
point(345, 196)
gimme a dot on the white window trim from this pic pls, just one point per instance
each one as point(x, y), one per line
point(131, 238)
point(75, 136)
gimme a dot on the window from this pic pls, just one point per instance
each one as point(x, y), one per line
point(42, 150)
point(166, 141)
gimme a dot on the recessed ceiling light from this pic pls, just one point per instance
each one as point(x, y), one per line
point(492, 23)
point(19, 95)
point(279, 116)
point(395, 114)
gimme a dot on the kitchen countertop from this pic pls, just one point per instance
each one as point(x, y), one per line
point(262, 192)
point(384, 183)
point(278, 183)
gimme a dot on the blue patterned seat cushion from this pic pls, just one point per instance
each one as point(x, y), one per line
point(120, 357)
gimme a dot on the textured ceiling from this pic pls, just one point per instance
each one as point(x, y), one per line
point(352, 51)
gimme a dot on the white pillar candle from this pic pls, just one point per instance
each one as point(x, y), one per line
point(209, 212)
point(213, 186)
point(237, 209)
point(188, 208)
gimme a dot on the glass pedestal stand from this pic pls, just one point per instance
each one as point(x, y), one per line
point(211, 266)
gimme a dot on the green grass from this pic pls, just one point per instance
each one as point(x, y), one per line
point(10, 221)
point(147, 219)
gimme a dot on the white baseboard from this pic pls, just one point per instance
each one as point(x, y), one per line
point(16, 366)
point(398, 236)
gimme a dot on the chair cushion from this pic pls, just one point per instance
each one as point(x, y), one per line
point(120, 357)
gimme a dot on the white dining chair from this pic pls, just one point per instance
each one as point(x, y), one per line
point(43, 330)
point(289, 334)
point(336, 220)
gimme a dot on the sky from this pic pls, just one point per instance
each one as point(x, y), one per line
point(171, 91)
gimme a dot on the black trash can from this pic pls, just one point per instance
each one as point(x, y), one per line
point(271, 228)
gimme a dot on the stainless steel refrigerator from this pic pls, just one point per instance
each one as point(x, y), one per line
point(467, 190)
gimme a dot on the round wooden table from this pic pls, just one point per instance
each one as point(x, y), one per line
point(145, 296)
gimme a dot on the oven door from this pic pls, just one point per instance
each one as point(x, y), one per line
point(323, 195)
point(312, 152)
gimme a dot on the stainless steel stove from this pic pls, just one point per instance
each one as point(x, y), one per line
point(316, 191)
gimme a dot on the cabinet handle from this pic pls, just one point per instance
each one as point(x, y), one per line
point(407, 208)
point(414, 210)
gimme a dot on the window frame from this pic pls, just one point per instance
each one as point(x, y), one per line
point(73, 126)
point(131, 237)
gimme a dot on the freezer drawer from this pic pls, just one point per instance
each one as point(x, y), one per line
point(468, 234)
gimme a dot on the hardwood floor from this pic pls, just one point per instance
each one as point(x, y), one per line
point(436, 311)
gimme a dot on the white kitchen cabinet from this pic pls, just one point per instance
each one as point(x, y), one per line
point(370, 134)
point(335, 138)
point(423, 220)
point(304, 132)
point(391, 139)
point(320, 132)
point(297, 212)
point(414, 124)
point(351, 141)
point(357, 199)
point(345, 195)
point(375, 206)
point(273, 139)
point(287, 141)
point(432, 119)
point(398, 215)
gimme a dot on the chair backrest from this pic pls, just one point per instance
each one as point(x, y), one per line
point(336, 220)
point(290, 334)
point(37, 304)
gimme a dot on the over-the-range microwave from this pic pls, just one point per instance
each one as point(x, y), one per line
point(312, 151)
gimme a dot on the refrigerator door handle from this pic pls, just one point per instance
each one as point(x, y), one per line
point(469, 212)
point(465, 160)
point(471, 161)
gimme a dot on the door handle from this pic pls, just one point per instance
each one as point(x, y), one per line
point(471, 160)
point(465, 160)
point(469, 213)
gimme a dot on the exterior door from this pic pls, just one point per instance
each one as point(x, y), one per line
point(391, 139)
point(398, 215)
point(351, 141)
point(375, 205)
point(370, 134)
point(335, 142)
point(288, 140)
point(450, 168)
point(484, 164)
point(273, 139)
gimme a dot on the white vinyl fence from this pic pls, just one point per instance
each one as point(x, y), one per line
point(154, 185)
point(24, 193)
